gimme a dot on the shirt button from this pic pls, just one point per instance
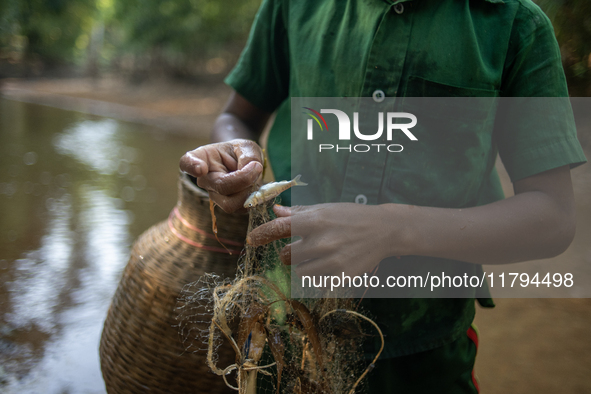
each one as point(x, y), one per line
point(399, 8)
point(378, 96)
point(361, 199)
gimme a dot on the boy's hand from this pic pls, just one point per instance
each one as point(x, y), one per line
point(537, 223)
point(336, 238)
point(228, 170)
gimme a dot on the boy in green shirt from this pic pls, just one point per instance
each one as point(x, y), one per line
point(419, 48)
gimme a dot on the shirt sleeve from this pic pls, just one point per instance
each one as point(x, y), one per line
point(262, 72)
point(535, 129)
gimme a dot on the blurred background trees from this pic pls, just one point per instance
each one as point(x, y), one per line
point(187, 38)
point(179, 37)
point(44, 34)
point(572, 23)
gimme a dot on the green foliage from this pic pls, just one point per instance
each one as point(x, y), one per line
point(187, 26)
point(9, 38)
point(176, 32)
point(49, 29)
point(572, 23)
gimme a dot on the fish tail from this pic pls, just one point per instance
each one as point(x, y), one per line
point(296, 181)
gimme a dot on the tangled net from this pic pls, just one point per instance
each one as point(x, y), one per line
point(281, 345)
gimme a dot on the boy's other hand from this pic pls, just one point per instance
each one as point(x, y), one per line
point(227, 170)
point(335, 238)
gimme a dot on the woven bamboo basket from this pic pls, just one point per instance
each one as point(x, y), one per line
point(140, 348)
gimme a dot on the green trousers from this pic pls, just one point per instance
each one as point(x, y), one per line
point(445, 370)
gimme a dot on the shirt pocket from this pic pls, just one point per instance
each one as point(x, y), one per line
point(454, 152)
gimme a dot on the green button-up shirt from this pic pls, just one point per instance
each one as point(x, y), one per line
point(418, 48)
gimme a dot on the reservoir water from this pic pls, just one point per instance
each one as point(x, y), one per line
point(75, 191)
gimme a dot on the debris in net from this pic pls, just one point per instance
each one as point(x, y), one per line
point(296, 346)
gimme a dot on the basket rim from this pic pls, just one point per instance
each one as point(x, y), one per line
point(186, 181)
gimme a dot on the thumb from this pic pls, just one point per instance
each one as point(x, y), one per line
point(193, 165)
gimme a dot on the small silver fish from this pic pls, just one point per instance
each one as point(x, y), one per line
point(270, 191)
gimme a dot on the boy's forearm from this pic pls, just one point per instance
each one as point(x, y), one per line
point(504, 232)
point(538, 222)
point(531, 225)
point(240, 119)
point(229, 127)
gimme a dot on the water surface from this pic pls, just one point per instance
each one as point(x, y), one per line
point(75, 191)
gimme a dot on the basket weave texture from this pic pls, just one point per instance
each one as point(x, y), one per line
point(140, 348)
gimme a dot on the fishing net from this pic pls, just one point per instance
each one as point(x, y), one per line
point(281, 345)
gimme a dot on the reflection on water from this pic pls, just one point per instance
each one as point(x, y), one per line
point(43, 272)
point(95, 144)
point(75, 190)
